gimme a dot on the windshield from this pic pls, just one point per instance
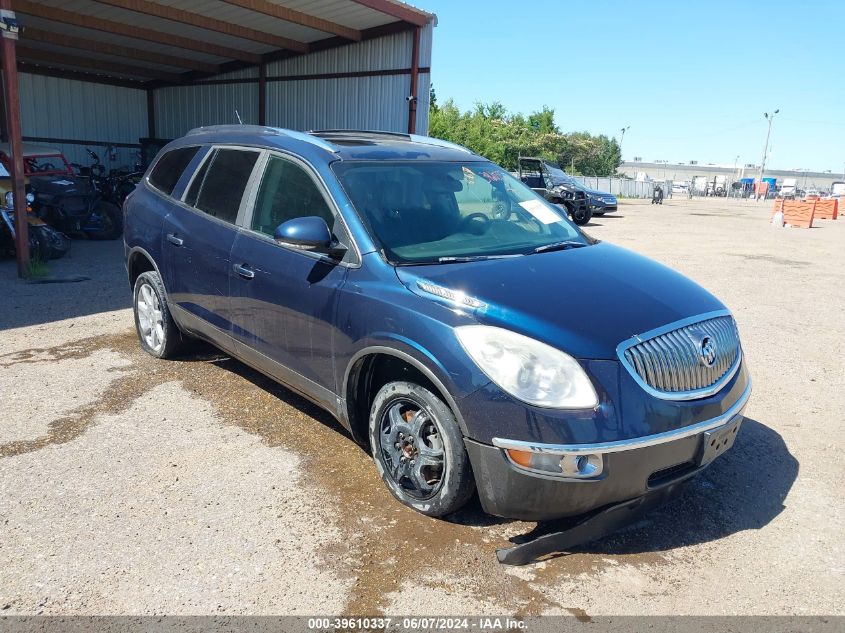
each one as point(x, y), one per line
point(560, 176)
point(434, 212)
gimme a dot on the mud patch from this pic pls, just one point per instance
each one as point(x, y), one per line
point(772, 259)
point(38, 393)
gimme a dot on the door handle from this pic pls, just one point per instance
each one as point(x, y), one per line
point(176, 241)
point(244, 271)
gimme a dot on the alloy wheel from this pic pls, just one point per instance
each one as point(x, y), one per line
point(150, 318)
point(412, 449)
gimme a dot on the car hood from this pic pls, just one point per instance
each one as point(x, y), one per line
point(584, 301)
point(600, 194)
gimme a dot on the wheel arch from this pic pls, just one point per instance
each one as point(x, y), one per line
point(140, 261)
point(368, 370)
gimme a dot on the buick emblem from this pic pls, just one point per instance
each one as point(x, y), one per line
point(707, 355)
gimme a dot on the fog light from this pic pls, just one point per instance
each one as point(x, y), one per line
point(567, 465)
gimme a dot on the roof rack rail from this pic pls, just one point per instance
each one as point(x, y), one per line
point(234, 127)
point(264, 129)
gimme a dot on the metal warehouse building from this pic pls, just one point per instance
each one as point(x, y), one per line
point(85, 73)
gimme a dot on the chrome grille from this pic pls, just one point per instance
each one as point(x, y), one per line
point(673, 363)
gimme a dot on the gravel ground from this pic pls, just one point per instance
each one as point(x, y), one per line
point(135, 486)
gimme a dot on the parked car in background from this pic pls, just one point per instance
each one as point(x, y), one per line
point(452, 319)
point(680, 188)
point(601, 202)
point(556, 187)
point(837, 190)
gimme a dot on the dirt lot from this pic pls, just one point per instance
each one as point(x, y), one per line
point(134, 486)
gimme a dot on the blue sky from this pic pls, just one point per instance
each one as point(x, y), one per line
point(691, 79)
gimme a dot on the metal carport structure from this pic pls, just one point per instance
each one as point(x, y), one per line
point(80, 73)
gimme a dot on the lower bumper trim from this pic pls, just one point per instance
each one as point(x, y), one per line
point(636, 443)
point(543, 541)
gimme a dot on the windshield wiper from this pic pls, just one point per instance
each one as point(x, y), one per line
point(559, 246)
point(471, 258)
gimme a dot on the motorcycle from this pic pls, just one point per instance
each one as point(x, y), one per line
point(77, 204)
point(117, 185)
point(45, 242)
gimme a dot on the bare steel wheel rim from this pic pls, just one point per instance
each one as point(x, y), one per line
point(412, 451)
point(150, 319)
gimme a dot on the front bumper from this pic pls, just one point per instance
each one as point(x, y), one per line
point(603, 207)
point(629, 468)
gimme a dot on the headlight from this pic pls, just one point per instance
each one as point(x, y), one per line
point(10, 199)
point(527, 369)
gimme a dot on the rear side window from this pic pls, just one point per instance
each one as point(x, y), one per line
point(169, 168)
point(219, 186)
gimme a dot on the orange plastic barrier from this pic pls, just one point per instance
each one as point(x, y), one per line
point(798, 213)
point(827, 209)
point(778, 205)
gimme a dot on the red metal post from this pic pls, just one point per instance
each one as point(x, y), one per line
point(13, 129)
point(415, 75)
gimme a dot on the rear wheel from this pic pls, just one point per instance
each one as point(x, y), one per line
point(418, 449)
point(157, 331)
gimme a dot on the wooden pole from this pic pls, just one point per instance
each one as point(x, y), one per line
point(13, 129)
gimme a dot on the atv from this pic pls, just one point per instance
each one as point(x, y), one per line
point(551, 183)
point(67, 202)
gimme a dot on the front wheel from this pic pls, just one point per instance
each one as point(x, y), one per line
point(581, 215)
point(418, 449)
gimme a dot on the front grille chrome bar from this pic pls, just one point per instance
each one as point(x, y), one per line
point(684, 360)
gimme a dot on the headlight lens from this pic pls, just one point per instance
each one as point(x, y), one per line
point(10, 199)
point(528, 370)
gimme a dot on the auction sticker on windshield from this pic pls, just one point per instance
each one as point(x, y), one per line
point(540, 211)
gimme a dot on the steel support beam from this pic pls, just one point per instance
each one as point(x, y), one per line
point(415, 75)
point(13, 129)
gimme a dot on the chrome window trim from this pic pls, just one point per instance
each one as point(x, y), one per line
point(678, 395)
point(632, 444)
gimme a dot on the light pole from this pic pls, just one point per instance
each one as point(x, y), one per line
point(766, 146)
point(624, 129)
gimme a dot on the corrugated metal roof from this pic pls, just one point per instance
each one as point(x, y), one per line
point(241, 46)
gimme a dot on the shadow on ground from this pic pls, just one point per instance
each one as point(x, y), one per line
point(744, 489)
point(106, 288)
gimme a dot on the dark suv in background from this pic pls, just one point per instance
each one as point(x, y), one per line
point(454, 321)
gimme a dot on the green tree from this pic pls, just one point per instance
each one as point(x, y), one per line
point(491, 131)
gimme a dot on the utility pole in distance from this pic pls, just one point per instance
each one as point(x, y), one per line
point(766, 146)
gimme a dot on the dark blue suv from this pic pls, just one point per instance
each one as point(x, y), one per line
point(461, 327)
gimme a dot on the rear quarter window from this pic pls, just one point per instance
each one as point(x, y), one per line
point(219, 186)
point(169, 168)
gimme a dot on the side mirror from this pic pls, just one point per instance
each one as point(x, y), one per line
point(308, 234)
